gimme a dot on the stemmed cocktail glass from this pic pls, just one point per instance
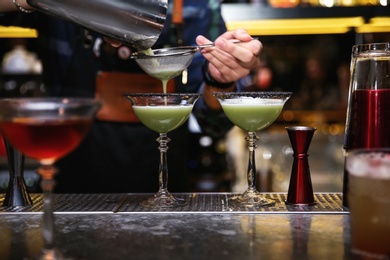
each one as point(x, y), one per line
point(46, 129)
point(252, 111)
point(162, 113)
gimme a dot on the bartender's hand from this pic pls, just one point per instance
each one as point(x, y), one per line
point(228, 62)
point(231, 61)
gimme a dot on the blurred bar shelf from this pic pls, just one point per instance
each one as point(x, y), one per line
point(240, 12)
point(258, 19)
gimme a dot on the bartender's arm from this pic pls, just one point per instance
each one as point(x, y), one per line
point(14, 5)
point(227, 62)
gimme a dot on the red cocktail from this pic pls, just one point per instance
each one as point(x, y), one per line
point(46, 139)
point(47, 129)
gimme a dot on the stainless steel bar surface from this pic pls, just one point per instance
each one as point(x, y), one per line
point(181, 236)
point(88, 228)
point(325, 203)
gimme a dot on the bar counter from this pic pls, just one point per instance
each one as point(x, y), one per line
point(114, 226)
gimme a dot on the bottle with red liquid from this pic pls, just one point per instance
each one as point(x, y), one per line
point(368, 114)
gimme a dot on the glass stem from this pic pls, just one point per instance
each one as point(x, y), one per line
point(251, 175)
point(47, 173)
point(163, 167)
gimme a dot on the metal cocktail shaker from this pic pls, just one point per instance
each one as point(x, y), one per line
point(368, 114)
point(137, 23)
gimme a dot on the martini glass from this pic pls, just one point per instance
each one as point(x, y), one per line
point(162, 113)
point(252, 111)
point(47, 129)
point(165, 64)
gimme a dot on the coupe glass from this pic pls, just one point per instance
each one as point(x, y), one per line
point(47, 129)
point(162, 113)
point(252, 111)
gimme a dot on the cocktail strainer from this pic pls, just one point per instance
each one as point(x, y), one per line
point(166, 63)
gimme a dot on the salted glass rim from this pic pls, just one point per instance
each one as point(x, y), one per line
point(162, 94)
point(260, 94)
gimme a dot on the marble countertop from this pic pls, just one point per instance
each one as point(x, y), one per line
point(113, 227)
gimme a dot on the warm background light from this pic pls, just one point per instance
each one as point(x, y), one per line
point(297, 26)
point(17, 32)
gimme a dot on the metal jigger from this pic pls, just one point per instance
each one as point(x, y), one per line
point(16, 194)
point(300, 191)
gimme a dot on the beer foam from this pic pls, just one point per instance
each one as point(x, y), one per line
point(374, 165)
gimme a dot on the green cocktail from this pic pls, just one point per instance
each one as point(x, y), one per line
point(253, 116)
point(165, 76)
point(162, 113)
point(160, 71)
point(163, 119)
point(252, 111)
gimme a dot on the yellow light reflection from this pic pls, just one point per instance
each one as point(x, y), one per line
point(17, 32)
point(375, 25)
point(297, 26)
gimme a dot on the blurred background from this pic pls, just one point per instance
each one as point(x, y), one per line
point(307, 50)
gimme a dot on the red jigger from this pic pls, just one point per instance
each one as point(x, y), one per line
point(300, 191)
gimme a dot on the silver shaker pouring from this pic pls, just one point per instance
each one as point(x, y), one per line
point(137, 23)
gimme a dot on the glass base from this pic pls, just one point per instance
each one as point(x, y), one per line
point(250, 199)
point(51, 254)
point(162, 200)
point(369, 255)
